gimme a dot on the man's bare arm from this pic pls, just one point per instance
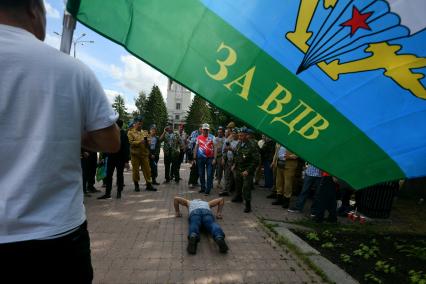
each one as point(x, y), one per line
point(103, 140)
point(179, 201)
point(219, 202)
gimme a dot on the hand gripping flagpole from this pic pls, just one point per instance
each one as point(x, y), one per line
point(68, 26)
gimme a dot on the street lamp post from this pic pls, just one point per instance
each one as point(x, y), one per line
point(82, 42)
point(77, 41)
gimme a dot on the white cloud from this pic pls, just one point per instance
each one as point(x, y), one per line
point(92, 62)
point(50, 11)
point(53, 40)
point(129, 103)
point(111, 94)
point(137, 76)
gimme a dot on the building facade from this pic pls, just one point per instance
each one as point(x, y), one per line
point(178, 102)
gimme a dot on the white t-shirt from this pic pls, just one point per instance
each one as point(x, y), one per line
point(47, 100)
point(198, 204)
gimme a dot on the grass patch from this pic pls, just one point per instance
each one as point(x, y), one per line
point(283, 242)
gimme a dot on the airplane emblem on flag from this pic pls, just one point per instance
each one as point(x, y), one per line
point(347, 27)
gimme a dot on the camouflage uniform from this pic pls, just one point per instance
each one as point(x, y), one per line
point(139, 153)
point(171, 151)
point(246, 159)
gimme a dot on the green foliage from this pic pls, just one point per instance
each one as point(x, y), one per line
point(371, 278)
point(140, 103)
point(328, 245)
point(366, 252)
point(327, 234)
point(345, 258)
point(384, 267)
point(312, 236)
point(120, 107)
point(199, 113)
point(155, 110)
point(413, 250)
point(417, 277)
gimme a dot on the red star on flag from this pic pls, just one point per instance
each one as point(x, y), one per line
point(358, 21)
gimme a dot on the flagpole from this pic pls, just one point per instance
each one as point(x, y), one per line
point(68, 26)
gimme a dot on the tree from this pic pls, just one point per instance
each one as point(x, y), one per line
point(140, 103)
point(199, 113)
point(155, 110)
point(120, 107)
point(220, 118)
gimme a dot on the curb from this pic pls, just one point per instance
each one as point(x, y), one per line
point(334, 273)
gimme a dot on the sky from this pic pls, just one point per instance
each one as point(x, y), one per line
point(118, 71)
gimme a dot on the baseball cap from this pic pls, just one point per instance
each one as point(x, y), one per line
point(244, 130)
point(138, 118)
point(205, 126)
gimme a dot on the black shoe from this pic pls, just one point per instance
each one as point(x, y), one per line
point(149, 187)
point(286, 202)
point(92, 189)
point(223, 247)
point(137, 189)
point(118, 194)
point(248, 207)
point(192, 245)
point(237, 199)
point(201, 191)
point(154, 182)
point(273, 195)
point(279, 201)
point(104, 196)
point(166, 181)
point(224, 193)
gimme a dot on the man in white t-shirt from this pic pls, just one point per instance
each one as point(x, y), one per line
point(200, 215)
point(51, 105)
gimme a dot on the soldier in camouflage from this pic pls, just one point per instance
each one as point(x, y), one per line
point(171, 151)
point(245, 163)
point(139, 153)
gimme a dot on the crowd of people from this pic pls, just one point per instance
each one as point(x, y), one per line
point(232, 155)
point(55, 119)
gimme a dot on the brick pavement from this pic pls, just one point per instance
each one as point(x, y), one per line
point(138, 240)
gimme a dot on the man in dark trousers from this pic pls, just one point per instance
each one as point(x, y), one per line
point(154, 151)
point(117, 161)
point(92, 163)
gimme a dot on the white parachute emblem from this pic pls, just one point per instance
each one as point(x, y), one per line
point(351, 24)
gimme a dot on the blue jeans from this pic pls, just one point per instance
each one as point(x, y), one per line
point(308, 183)
point(203, 165)
point(204, 217)
point(269, 179)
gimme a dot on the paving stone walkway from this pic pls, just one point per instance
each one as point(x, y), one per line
point(137, 239)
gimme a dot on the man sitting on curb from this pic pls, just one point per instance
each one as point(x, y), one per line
point(200, 214)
